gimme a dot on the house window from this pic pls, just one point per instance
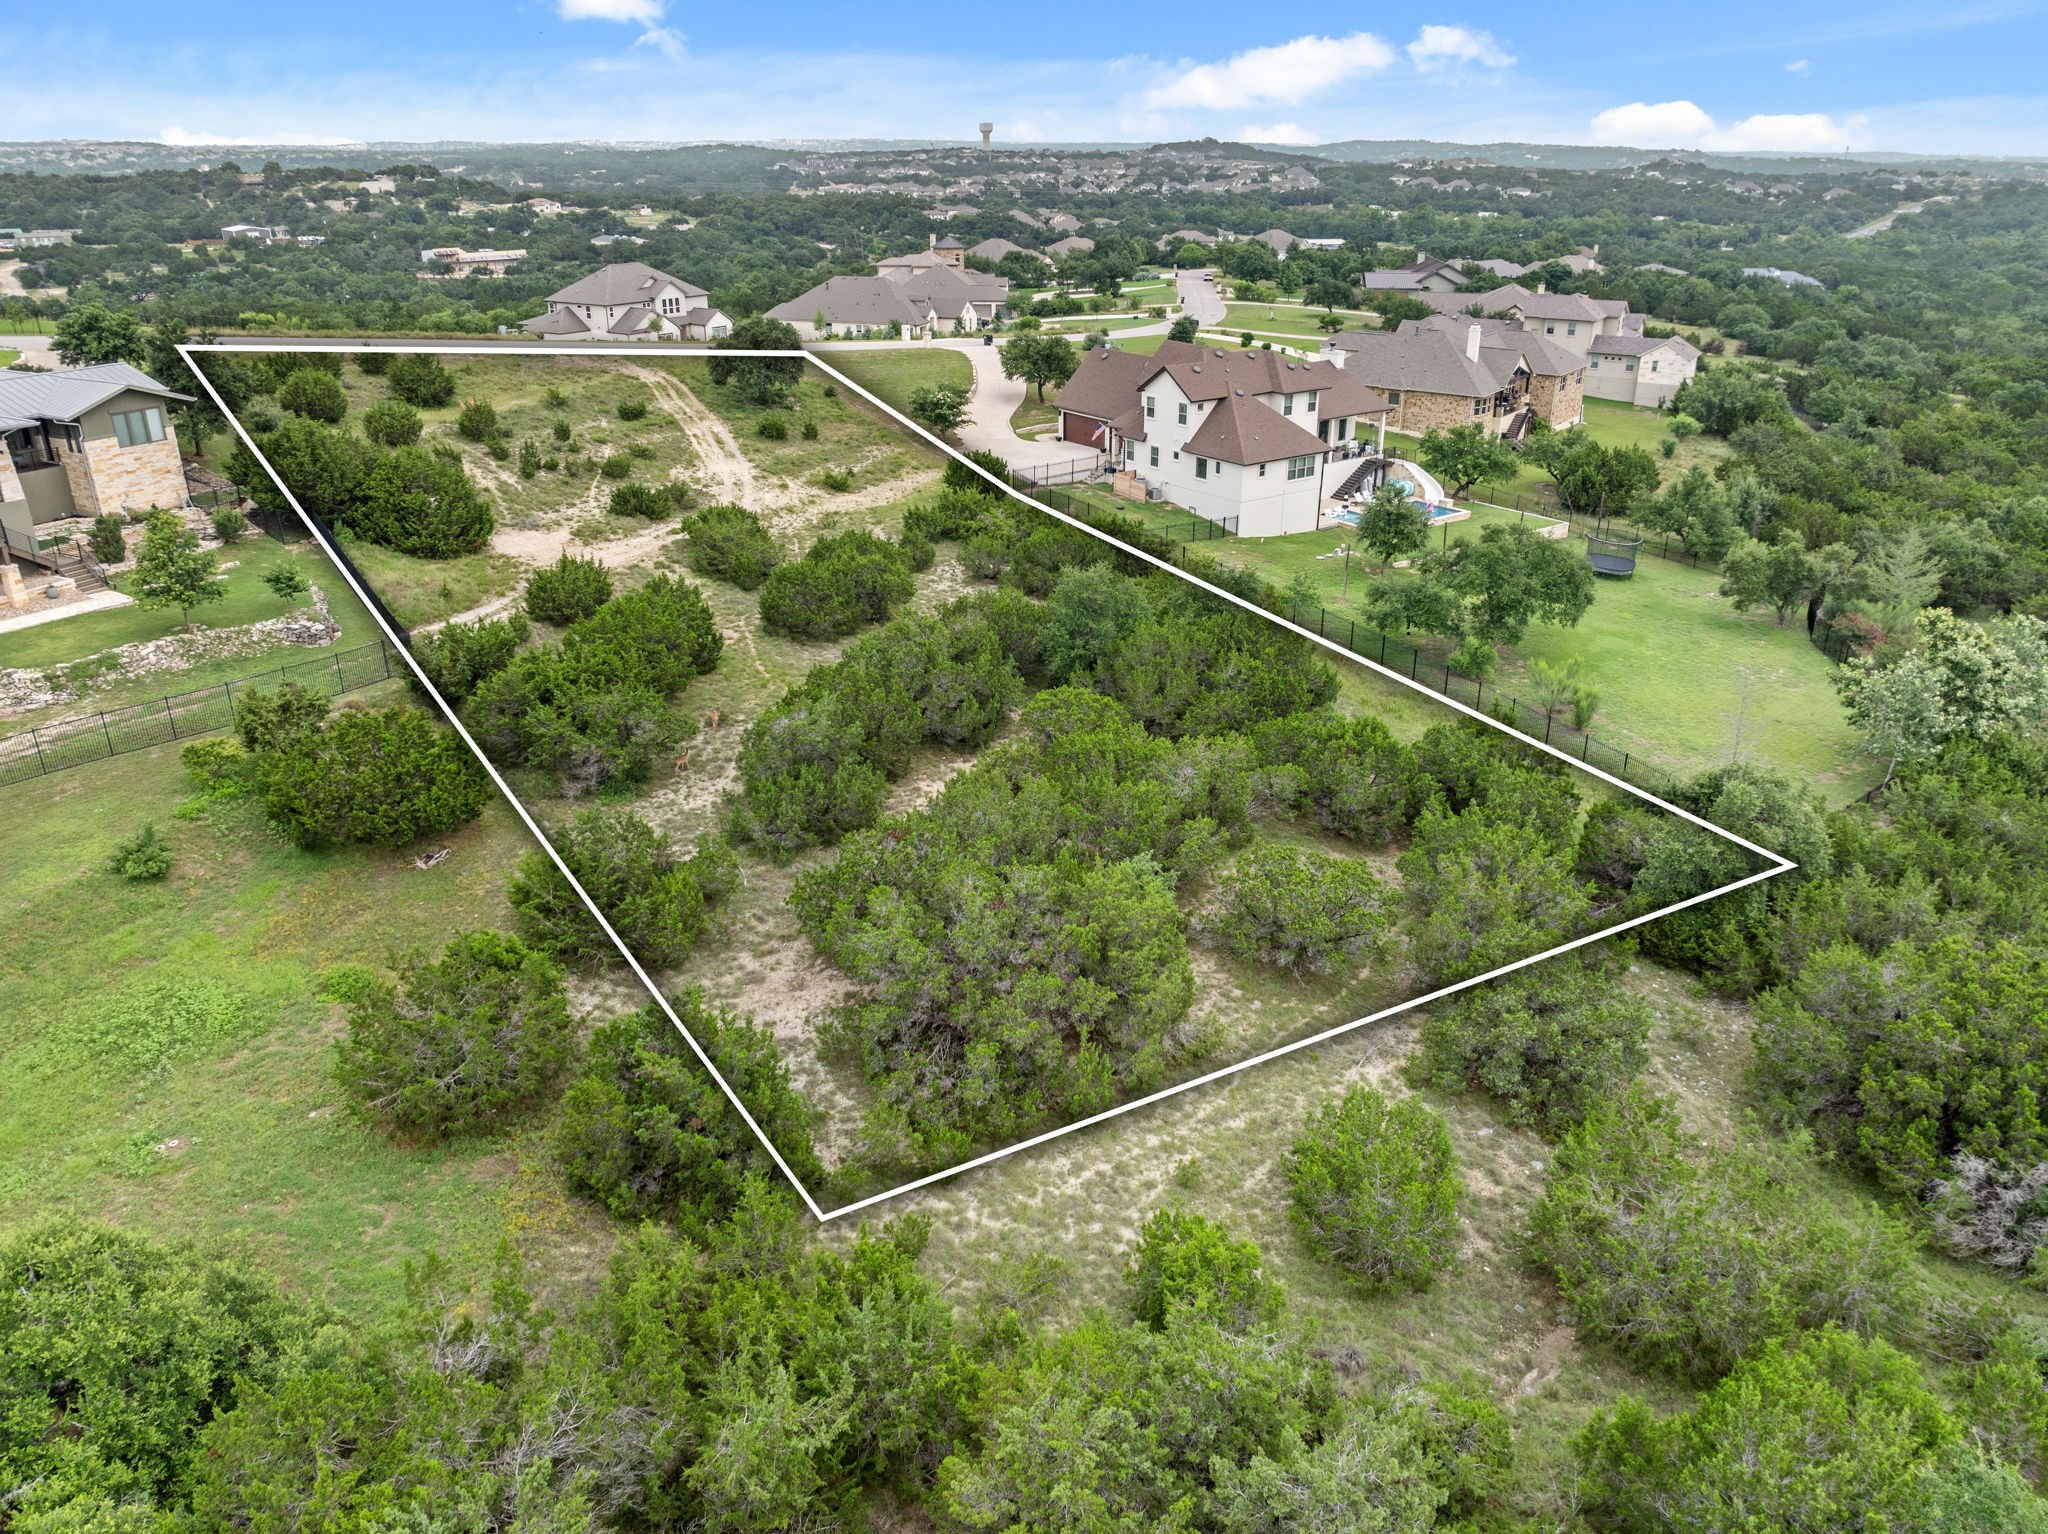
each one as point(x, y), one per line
point(1311, 405)
point(1150, 409)
point(1201, 468)
point(1653, 366)
point(1343, 428)
point(1155, 457)
point(1262, 471)
point(1550, 327)
point(135, 427)
point(1628, 367)
point(1183, 412)
point(1571, 327)
point(1479, 406)
point(1596, 362)
point(1393, 396)
point(1302, 467)
point(1287, 404)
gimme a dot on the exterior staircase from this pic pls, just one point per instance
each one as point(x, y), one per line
point(73, 559)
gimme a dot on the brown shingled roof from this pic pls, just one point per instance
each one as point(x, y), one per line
point(1240, 430)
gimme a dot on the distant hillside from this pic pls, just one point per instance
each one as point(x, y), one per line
point(1615, 157)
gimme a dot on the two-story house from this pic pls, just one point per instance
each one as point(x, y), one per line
point(630, 301)
point(1638, 369)
point(83, 441)
point(1250, 435)
point(1447, 371)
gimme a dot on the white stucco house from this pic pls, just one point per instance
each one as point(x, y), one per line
point(1639, 370)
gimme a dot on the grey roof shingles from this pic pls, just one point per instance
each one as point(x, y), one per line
point(855, 301)
point(26, 398)
point(622, 282)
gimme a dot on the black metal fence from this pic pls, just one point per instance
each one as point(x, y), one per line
point(94, 737)
point(1554, 729)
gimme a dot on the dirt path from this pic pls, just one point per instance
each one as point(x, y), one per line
point(725, 471)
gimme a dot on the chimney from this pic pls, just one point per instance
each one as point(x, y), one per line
point(1539, 287)
point(1472, 342)
point(931, 240)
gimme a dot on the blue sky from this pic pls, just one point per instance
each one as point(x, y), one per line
point(1740, 74)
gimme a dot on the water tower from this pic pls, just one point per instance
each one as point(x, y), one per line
point(986, 130)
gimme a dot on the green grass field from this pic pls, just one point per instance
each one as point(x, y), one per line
point(1684, 680)
point(893, 373)
point(1288, 319)
point(165, 1050)
point(8, 357)
point(248, 600)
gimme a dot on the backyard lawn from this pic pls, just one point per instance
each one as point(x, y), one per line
point(895, 372)
point(248, 600)
point(1684, 680)
point(8, 358)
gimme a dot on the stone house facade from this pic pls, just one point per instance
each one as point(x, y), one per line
point(87, 440)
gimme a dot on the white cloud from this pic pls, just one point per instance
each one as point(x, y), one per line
point(1437, 48)
point(1651, 127)
point(1685, 125)
point(644, 14)
point(1286, 73)
point(1798, 67)
point(1277, 133)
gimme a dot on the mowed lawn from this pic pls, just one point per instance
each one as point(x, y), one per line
point(895, 373)
point(248, 600)
point(1684, 680)
point(166, 1051)
point(1290, 319)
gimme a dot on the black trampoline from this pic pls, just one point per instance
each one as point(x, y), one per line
point(1609, 555)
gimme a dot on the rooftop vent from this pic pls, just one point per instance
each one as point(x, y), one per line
point(1198, 367)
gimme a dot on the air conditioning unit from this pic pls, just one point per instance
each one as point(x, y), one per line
point(1155, 492)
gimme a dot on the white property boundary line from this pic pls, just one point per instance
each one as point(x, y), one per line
point(1777, 864)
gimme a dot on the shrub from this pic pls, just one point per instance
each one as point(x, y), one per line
point(373, 364)
point(808, 429)
point(457, 657)
point(561, 431)
point(117, 1350)
point(315, 394)
point(1684, 1261)
point(1829, 1431)
point(843, 583)
point(1348, 775)
point(647, 1131)
point(729, 544)
point(1092, 610)
point(106, 541)
point(392, 423)
point(650, 501)
point(271, 718)
point(1550, 1043)
point(772, 428)
point(567, 591)
point(1485, 887)
point(460, 1043)
point(145, 855)
point(616, 466)
point(632, 409)
point(650, 896)
point(385, 777)
point(228, 522)
point(418, 502)
point(286, 584)
point(962, 475)
point(1184, 1262)
point(218, 767)
point(530, 460)
point(420, 380)
point(1375, 1189)
point(835, 480)
point(1301, 911)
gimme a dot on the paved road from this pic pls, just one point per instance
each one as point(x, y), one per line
point(33, 348)
point(995, 398)
point(1199, 298)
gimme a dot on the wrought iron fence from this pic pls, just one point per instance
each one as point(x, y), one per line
point(1552, 728)
point(93, 737)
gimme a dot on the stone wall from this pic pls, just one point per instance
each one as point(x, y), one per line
point(1559, 401)
point(1421, 412)
point(133, 478)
